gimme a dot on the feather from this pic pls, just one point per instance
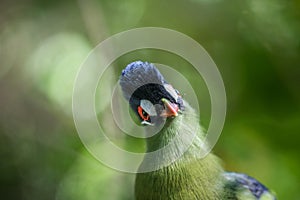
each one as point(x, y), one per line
point(138, 74)
point(188, 176)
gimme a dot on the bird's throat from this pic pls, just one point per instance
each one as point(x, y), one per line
point(173, 164)
point(180, 136)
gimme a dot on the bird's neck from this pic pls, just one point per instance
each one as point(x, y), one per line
point(174, 164)
point(182, 135)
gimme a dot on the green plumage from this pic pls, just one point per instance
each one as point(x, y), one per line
point(180, 142)
point(188, 177)
point(181, 181)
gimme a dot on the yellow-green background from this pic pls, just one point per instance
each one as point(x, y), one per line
point(255, 44)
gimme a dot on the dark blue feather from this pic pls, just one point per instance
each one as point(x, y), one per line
point(237, 181)
point(138, 74)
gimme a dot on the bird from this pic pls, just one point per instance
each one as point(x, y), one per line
point(157, 103)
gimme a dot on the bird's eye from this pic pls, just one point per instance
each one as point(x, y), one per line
point(145, 116)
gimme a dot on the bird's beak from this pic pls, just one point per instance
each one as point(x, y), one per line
point(171, 109)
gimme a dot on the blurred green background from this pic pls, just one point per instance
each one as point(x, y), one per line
point(255, 44)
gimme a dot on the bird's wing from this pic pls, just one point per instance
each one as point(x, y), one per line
point(243, 187)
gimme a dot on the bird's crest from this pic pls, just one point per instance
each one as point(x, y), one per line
point(137, 74)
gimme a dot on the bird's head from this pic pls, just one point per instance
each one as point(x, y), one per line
point(149, 94)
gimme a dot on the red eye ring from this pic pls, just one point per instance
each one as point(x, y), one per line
point(145, 116)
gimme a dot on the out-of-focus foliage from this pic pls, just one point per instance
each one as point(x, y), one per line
point(255, 44)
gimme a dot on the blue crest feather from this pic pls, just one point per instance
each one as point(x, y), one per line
point(137, 74)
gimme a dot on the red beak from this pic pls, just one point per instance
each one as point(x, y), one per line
point(171, 109)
